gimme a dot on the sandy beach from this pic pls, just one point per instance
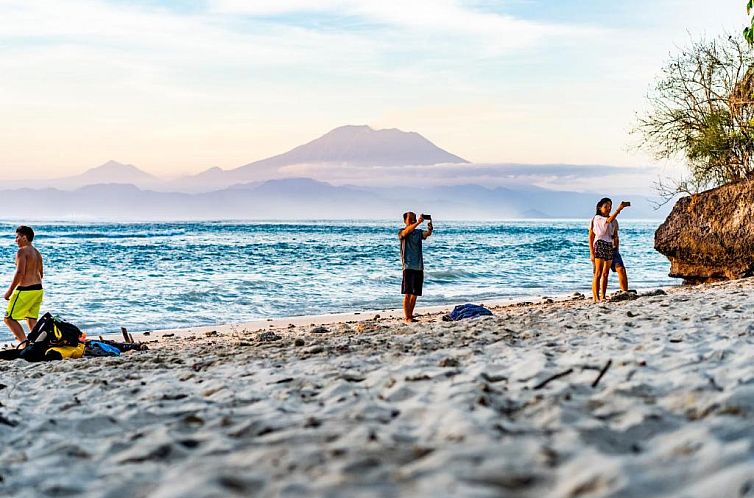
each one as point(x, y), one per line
point(648, 397)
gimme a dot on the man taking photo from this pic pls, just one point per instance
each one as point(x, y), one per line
point(411, 238)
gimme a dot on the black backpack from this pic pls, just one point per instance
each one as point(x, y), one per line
point(49, 332)
point(52, 331)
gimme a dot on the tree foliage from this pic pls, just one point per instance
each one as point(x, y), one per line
point(701, 108)
point(749, 30)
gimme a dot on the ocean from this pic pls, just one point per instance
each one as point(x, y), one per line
point(147, 276)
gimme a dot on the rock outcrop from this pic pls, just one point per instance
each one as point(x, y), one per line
point(710, 236)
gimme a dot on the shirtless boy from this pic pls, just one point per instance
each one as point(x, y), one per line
point(25, 293)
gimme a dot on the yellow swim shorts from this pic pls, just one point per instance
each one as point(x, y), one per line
point(25, 302)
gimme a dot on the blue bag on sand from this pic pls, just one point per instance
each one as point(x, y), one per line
point(97, 348)
point(466, 311)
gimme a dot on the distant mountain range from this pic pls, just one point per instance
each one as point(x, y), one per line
point(303, 199)
point(344, 147)
point(271, 189)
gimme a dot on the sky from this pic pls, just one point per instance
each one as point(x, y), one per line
point(177, 87)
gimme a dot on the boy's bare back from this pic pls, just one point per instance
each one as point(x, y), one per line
point(30, 260)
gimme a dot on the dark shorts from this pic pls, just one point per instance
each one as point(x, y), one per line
point(617, 261)
point(413, 280)
point(603, 250)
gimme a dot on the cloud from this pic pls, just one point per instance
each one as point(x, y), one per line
point(86, 45)
point(158, 35)
point(579, 178)
point(448, 19)
point(175, 89)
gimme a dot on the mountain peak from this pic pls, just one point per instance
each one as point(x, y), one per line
point(361, 145)
point(348, 146)
point(345, 128)
point(112, 165)
point(114, 172)
point(366, 130)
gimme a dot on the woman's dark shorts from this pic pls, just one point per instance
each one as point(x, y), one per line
point(603, 250)
point(412, 282)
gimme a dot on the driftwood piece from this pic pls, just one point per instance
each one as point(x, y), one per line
point(553, 377)
point(602, 372)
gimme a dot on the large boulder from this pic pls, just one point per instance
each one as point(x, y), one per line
point(710, 236)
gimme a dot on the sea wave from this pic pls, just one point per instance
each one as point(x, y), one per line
point(448, 275)
point(110, 235)
point(548, 245)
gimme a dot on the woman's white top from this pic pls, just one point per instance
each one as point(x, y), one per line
point(602, 229)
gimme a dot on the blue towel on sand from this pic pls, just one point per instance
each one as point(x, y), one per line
point(466, 311)
point(96, 348)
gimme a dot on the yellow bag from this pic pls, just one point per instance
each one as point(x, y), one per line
point(66, 352)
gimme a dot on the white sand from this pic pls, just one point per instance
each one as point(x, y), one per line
point(378, 408)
